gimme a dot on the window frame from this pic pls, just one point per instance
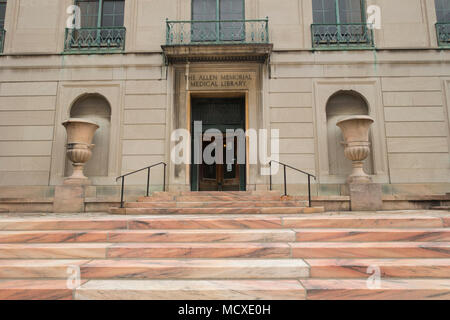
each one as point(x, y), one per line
point(100, 14)
point(3, 19)
point(337, 13)
point(218, 18)
point(442, 26)
point(447, 9)
point(219, 25)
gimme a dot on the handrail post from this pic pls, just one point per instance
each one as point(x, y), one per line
point(309, 190)
point(285, 184)
point(164, 183)
point(121, 192)
point(148, 181)
point(270, 174)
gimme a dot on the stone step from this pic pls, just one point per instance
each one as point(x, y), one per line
point(389, 268)
point(62, 223)
point(398, 289)
point(198, 250)
point(39, 269)
point(221, 235)
point(212, 198)
point(444, 208)
point(288, 222)
point(144, 250)
point(339, 250)
point(240, 221)
point(155, 269)
point(207, 222)
point(216, 204)
point(54, 251)
point(372, 235)
point(226, 250)
point(35, 290)
point(215, 193)
point(191, 290)
point(206, 235)
point(193, 211)
point(312, 289)
point(378, 221)
point(195, 269)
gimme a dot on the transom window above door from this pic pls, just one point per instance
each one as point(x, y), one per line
point(340, 24)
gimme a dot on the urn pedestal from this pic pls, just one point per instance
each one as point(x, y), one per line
point(70, 196)
point(364, 195)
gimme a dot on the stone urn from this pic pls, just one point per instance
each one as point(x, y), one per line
point(355, 130)
point(80, 133)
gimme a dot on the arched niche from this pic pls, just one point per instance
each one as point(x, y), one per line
point(340, 105)
point(96, 108)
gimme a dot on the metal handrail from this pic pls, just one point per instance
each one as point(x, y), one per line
point(182, 32)
point(342, 36)
point(149, 168)
point(443, 34)
point(94, 39)
point(285, 183)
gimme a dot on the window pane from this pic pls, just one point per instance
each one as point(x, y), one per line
point(204, 10)
point(232, 10)
point(324, 11)
point(113, 13)
point(108, 7)
point(89, 13)
point(443, 10)
point(350, 11)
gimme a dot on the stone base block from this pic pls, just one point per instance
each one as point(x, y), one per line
point(76, 181)
point(365, 197)
point(69, 198)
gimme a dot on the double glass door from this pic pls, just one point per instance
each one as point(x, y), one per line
point(219, 115)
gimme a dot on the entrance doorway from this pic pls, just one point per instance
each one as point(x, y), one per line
point(220, 114)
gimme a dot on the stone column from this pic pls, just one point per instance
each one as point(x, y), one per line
point(364, 195)
point(70, 196)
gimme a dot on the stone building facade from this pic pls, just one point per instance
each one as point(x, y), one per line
point(293, 65)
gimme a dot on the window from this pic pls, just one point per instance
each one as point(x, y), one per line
point(112, 13)
point(2, 13)
point(218, 10)
point(340, 22)
point(443, 22)
point(442, 10)
point(338, 11)
point(101, 26)
point(2, 23)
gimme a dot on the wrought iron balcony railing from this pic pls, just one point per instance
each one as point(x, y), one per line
point(342, 36)
point(2, 39)
point(95, 39)
point(443, 34)
point(217, 32)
